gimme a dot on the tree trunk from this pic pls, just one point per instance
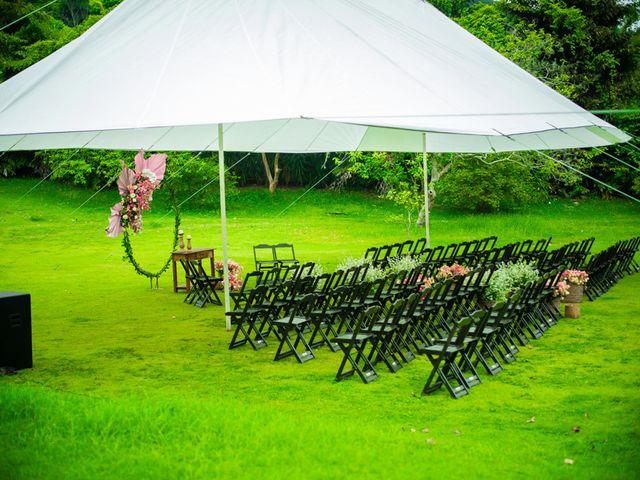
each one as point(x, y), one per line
point(436, 174)
point(272, 177)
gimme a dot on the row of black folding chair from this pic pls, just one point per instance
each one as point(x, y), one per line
point(608, 266)
point(529, 251)
point(379, 256)
point(459, 252)
point(486, 337)
point(377, 337)
point(572, 255)
point(463, 252)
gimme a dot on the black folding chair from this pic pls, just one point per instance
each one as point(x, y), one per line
point(285, 254)
point(203, 286)
point(291, 330)
point(442, 357)
point(248, 320)
point(354, 347)
point(265, 256)
point(251, 280)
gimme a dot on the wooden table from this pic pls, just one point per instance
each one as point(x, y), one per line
point(194, 254)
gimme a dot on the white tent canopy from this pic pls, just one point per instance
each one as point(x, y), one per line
point(286, 76)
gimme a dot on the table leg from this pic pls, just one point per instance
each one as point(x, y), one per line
point(175, 276)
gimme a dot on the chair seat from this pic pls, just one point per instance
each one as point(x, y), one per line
point(439, 348)
point(347, 337)
point(292, 321)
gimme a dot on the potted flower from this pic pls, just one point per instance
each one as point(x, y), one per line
point(425, 283)
point(560, 290)
point(235, 274)
point(454, 270)
point(576, 279)
point(507, 279)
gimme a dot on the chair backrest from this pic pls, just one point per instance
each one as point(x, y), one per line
point(303, 306)
point(458, 333)
point(288, 271)
point(251, 280)
point(322, 283)
point(418, 247)
point(256, 296)
point(264, 256)
point(270, 276)
point(305, 270)
point(365, 318)
point(283, 252)
point(383, 253)
point(405, 248)
point(371, 253)
point(336, 279)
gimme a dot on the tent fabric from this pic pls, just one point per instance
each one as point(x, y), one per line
point(286, 76)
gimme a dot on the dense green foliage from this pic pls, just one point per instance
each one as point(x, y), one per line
point(475, 186)
point(130, 382)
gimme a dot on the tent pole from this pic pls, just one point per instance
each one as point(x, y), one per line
point(426, 189)
point(223, 221)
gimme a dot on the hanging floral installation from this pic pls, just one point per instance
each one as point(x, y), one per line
point(136, 189)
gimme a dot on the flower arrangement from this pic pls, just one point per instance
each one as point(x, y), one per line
point(351, 262)
point(425, 283)
point(454, 270)
point(561, 289)
point(136, 189)
point(508, 278)
point(235, 274)
point(575, 277)
point(374, 273)
point(404, 263)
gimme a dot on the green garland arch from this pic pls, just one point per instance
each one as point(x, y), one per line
point(128, 249)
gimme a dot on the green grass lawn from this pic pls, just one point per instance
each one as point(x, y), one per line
point(129, 382)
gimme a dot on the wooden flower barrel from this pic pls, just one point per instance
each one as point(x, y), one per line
point(574, 295)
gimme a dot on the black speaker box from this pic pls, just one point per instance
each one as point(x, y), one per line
point(15, 330)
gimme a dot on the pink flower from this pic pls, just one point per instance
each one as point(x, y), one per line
point(153, 167)
point(561, 289)
point(126, 180)
point(115, 221)
point(575, 277)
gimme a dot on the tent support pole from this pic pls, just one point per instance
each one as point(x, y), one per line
point(223, 221)
point(426, 189)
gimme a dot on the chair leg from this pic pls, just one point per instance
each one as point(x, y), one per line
point(367, 373)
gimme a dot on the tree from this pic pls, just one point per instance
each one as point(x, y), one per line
point(273, 175)
point(593, 41)
point(73, 12)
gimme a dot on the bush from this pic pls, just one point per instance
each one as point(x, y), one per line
point(508, 278)
point(475, 186)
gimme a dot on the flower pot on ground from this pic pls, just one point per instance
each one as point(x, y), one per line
point(575, 294)
point(576, 279)
point(572, 310)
